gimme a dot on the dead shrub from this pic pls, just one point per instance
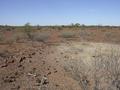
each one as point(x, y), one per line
point(107, 70)
point(102, 74)
point(79, 71)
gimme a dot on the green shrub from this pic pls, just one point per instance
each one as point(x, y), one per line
point(75, 25)
point(28, 30)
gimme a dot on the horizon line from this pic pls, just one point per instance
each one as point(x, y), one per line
point(57, 24)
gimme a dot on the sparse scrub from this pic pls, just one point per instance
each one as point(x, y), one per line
point(84, 33)
point(41, 37)
point(6, 39)
point(80, 72)
point(108, 68)
point(104, 73)
point(68, 34)
point(60, 28)
point(4, 54)
point(10, 40)
point(19, 37)
point(1, 37)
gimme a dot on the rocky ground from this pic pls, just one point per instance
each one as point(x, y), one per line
point(40, 66)
point(31, 66)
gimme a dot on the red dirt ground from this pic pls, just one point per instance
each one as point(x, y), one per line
point(34, 65)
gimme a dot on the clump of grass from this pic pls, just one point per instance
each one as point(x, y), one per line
point(41, 37)
point(19, 37)
point(5, 54)
point(10, 41)
point(1, 37)
point(67, 34)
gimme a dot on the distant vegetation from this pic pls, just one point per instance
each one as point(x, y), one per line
point(28, 25)
point(43, 33)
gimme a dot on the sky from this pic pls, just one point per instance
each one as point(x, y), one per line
point(59, 12)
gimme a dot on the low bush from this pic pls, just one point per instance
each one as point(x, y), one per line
point(67, 34)
point(41, 37)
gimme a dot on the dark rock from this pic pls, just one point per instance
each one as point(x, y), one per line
point(33, 53)
point(49, 73)
point(9, 79)
point(22, 58)
point(5, 65)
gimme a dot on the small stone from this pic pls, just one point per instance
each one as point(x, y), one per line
point(49, 73)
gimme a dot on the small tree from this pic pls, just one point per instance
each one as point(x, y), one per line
point(77, 25)
point(28, 30)
point(38, 27)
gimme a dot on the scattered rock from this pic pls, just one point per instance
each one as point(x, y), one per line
point(57, 85)
point(11, 61)
point(9, 79)
point(38, 81)
point(94, 56)
point(30, 74)
point(30, 61)
point(29, 56)
point(33, 53)
point(44, 80)
point(49, 73)
point(16, 88)
point(40, 53)
point(43, 62)
point(55, 71)
point(5, 65)
point(22, 58)
point(20, 66)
